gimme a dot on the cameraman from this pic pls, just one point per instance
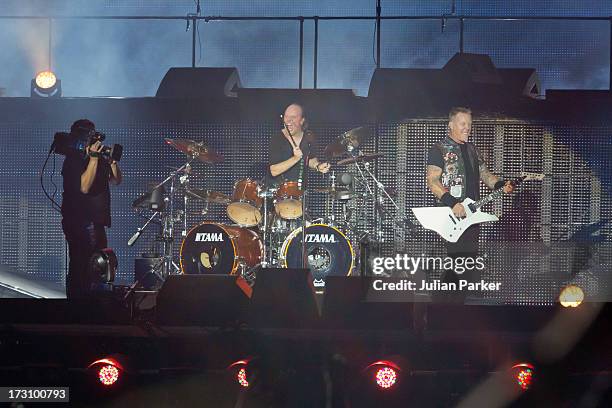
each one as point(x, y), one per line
point(86, 204)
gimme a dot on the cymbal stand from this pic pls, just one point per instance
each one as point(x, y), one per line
point(167, 233)
point(330, 202)
point(404, 222)
point(364, 182)
point(265, 194)
point(184, 179)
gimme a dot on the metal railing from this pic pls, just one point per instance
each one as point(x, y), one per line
point(195, 19)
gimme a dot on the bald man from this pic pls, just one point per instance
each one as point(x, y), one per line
point(288, 148)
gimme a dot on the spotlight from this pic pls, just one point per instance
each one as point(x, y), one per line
point(241, 376)
point(571, 296)
point(243, 371)
point(386, 377)
point(46, 85)
point(108, 371)
point(386, 373)
point(523, 374)
point(108, 375)
point(103, 266)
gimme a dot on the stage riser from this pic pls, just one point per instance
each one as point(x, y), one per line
point(574, 194)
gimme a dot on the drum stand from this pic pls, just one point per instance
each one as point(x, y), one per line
point(403, 221)
point(167, 234)
point(157, 268)
point(370, 240)
point(330, 202)
point(265, 194)
point(304, 196)
point(167, 220)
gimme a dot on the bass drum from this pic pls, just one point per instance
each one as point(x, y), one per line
point(212, 248)
point(329, 252)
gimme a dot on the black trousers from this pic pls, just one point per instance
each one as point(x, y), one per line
point(466, 246)
point(83, 241)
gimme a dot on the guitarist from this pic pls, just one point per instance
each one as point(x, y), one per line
point(454, 170)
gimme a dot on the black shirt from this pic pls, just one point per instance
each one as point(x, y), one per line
point(281, 150)
point(82, 208)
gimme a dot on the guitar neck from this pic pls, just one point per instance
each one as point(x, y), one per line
point(500, 191)
point(493, 196)
point(496, 194)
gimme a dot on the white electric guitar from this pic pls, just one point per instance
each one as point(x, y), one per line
point(444, 222)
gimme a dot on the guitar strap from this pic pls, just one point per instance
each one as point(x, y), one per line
point(472, 175)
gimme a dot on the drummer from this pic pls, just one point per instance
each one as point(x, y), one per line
point(288, 148)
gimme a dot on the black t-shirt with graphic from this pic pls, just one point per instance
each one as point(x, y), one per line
point(461, 165)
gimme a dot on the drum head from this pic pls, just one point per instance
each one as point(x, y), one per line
point(289, 209)
point(329, 252)
point(244, 214)
point(208, 249)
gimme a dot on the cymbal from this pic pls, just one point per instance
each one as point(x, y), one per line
point(362, 158)
point(328, 189)
point(337, 193)
point(348, 141)
point(210, 196)
point(196, 150)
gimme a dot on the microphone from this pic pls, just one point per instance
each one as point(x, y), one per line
point(135, 237)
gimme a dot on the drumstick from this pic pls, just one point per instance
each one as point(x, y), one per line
point(287, 129)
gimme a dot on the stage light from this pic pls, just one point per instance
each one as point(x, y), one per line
point(571, 296)
point(386, 377)
point(46, 85)
point(523, 374)
point(385, 373)
point(241, 376)
point(108, 370)
point(244, 371)
point(45, 80)
point(108, 375)
point(102, 266)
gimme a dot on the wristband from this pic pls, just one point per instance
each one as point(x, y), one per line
point(95, 154)
point(448, 200)
point(499, 184)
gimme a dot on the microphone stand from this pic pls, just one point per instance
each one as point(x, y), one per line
point(305, 178)
point(138, 233)
point(382, 188)
point(303, 188)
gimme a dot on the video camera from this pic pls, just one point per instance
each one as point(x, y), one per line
point(69, 143)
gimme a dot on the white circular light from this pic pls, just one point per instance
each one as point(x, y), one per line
point(571, 296)
point(46, 80)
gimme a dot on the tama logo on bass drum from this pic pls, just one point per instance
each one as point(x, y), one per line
point(209, 237)
point(321, 238)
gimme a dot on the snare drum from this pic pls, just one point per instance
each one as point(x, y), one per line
point(212, 248)
point(288, 200)
point(245, 208)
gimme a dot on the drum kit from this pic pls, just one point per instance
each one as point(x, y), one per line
point(268, 220)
